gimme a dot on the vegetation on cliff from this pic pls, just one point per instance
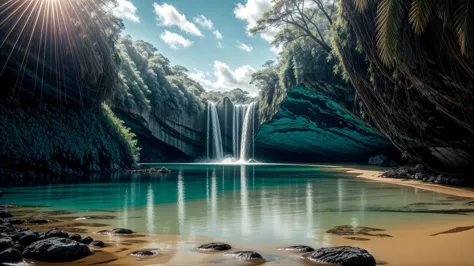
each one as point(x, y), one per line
point(415, 81)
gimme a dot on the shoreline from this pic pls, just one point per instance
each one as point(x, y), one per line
point(374, 175)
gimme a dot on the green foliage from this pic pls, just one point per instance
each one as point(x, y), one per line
point(124, 132)
point(149, 83)
point(63, 140)
point(237, 96)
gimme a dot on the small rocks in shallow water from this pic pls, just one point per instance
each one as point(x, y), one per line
point(15, 221)
point(145, 253)
point(97, 244)
point(56, 250)
point(121, 231)
point(10, 256)
point(299, 249)
point(87, 240)
point(455, 230)
point(348, 230)
point(5, 214)
point(75, 237)
point(214, 247)
point(357, 238)
point(55, 232)
point(40, 221)
point(245, 255)
point(347, 256)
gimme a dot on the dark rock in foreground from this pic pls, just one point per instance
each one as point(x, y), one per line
point(87, 240)
point(299, 249)
point(27, 239)
point(145, 253)
point(75, 237)
point(121, 231)
point(5, 214)
point(55, 232)
point(214, 247)
point(18, 247)
point(56, 250)
point(97, 244)
point(245, 255)
point(347, 256)
point(10, 256)
point(5, 243)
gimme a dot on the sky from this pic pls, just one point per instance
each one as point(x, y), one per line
point(208, 37)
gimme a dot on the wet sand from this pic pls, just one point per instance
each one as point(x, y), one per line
point(375, 176)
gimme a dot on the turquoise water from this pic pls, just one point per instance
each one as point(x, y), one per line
point(252, 204)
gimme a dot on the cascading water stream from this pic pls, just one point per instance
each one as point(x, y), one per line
point(215, 150)
point(238, 117)
point(248, 133)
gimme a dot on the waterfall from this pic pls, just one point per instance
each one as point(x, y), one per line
point(214, 137)
point(238, 116)
point(248, 133)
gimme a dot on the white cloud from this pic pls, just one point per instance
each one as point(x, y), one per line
point(226, 79)
point(244, 47)
point(203, 21)
point(252, 11)
point(175, 41)
point(168, 16)
point(276, 49)
point(217, 34)
point(219, 45)
point(126, 10)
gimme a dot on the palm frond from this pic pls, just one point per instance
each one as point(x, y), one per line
point(390, 16)
point(361, 5)
point(464, 25)
point(421, 12)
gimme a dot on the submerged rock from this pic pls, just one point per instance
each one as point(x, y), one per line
point(349, 230)
point(245, 255)
point(56, 250)
point(299, 248)
point(121, 231)
point(145, 253)
point(347, 256)
point(15, 221)
point(214, 247)
point(40, 221)
point(10, 255)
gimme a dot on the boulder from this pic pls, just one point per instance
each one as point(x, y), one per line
point(55, 232)
point(97, 244)
point(18, 247)
point(28, 239)
point(75, 237)
point(299, 248)
point(10, 256)
point(5, 214)
point(56, 250)
point(5, 242)
point(87, 240)
point(245, 255)
point(214, 247)
point(346, 256)
point(15, 221)
point(145, 253)
point(121, 231)
point(164, 170)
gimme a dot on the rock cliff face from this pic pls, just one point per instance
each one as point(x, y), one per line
point(309, 127)
point(171, 138)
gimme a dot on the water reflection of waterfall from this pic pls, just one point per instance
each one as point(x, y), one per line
point(181, 198)
point(248, 133)
point(244, 201)
point(150, 212)
point(214, 138)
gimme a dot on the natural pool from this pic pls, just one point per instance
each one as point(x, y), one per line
point(251, 206)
